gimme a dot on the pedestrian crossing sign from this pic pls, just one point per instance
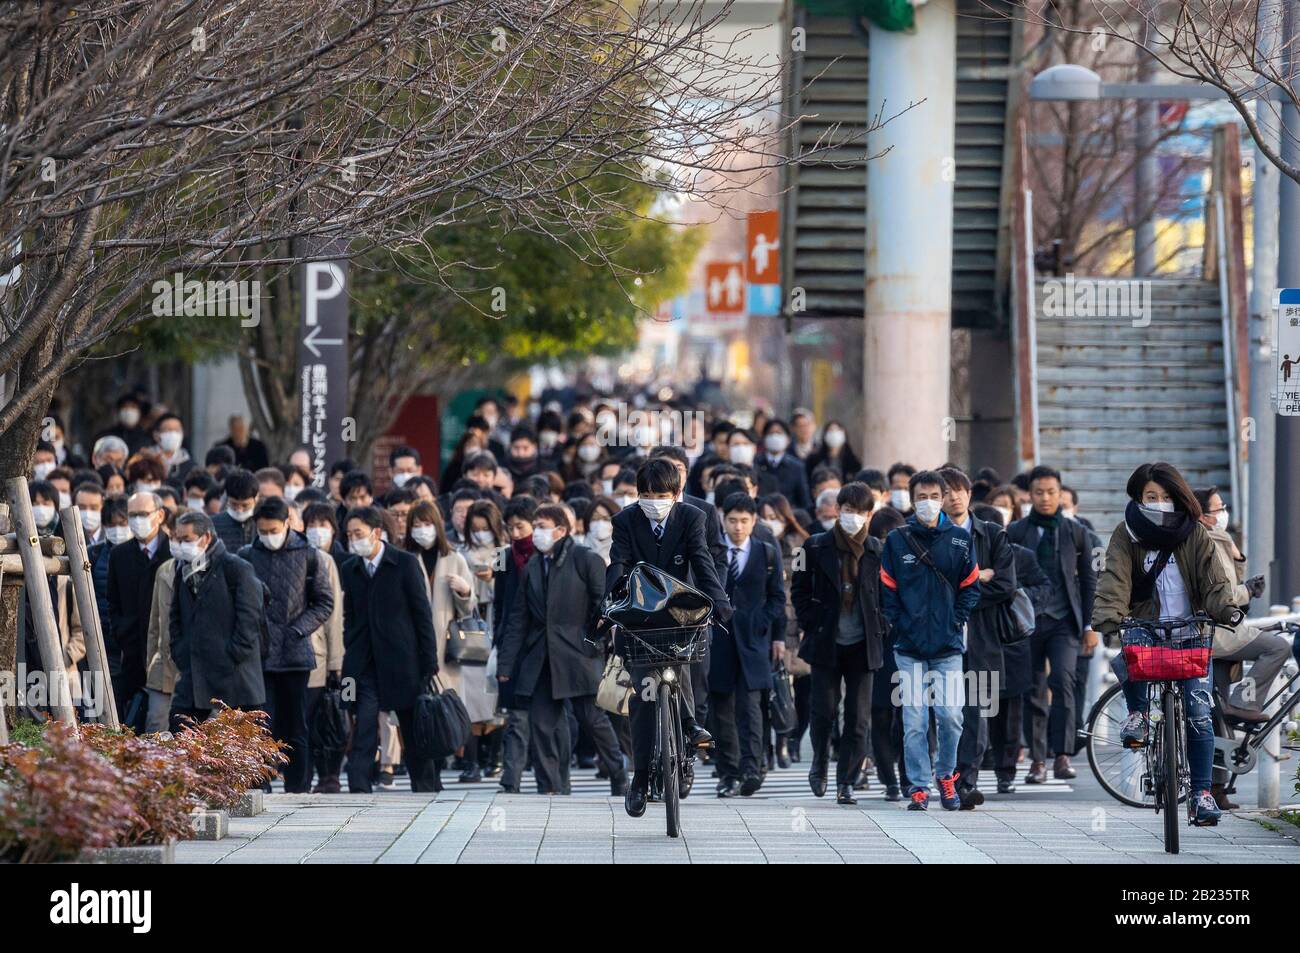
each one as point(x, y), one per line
point(1286, 353)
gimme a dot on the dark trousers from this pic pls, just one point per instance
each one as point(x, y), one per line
point(850, 668)
point(802, 710)
point(971, 746)
point(1056, 641)
point(887, 745)
point(365, 741)
point(1004, 736)
point(738, 716)
point(514, 748)
point(1081, 667)
point(552, 743)
point(641, 712)
point(286, 703)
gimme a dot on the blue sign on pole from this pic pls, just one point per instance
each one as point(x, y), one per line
point(763, 301)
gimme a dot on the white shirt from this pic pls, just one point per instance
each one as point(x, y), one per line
point(1174, 601)
point(374, 559)
point(741, 554)
point(151, 547)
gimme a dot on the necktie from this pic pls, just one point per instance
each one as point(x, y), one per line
point(659, 530)
point(732, 571)
point(370, 568)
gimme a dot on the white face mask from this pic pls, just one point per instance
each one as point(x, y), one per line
point(320, 536)
point(1006, 514)
point(775, 527)
point(589, 453)
point(272, 541)
point(43, 514)
point(1067, 513)
point(827, 524)
point(128, 416)
point(170, 440)
point(852, 523)
point(65, 500)
point(600, 529)
point(186, 552)
point(927, 511)
point(1164, 506)
point(117, 534)
point(900, 500)
point(363, 547)
point(624, 501)
point(742, 453)
point(291, 491)
point(42, 470)
point(547, 439)
point(141, 526)
point(656, 510)
point(776, 443)
point(146, 487)
point(1025, 510)
point(1221, 520)
point(90, 520)
point(834, 439)
point(400, 479)
point(239, 516)
point(543, 539)
point(424, 536)
point(483, 537)
point(607, 487)
point(195, 503)
point(710, 498)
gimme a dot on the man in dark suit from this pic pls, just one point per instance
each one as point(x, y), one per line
point(389, 646)
point(1063, 627)
point(673, 538)
point(131, 570)
point(836, 597)
point(779, 471)
point(742, 657)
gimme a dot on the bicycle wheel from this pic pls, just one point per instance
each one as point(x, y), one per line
point(668, 729)
point(1119, 770)
point(1169, 728)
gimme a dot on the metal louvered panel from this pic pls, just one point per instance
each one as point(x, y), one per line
point(1112, 395)
point(824, 202)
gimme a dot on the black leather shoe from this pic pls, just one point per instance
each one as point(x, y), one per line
point(817, 781)
point(687, 780)
point(699, 738)
point(728, 788)
point(893, 792)
point(1037, 773)
point(1006, 787)
point(782, 755)
point(971, 798)
point(845, 795)
point(635, 798)
point(1062, 770)
point(618, 786)
point(749, 787)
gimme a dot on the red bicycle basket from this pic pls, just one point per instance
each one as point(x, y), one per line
point(1150, 657)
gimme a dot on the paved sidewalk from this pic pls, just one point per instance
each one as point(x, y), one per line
point(1055, 823)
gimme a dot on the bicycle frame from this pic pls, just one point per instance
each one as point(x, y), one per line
point(669, 689)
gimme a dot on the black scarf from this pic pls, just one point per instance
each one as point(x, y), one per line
point(1045, 551)
point(1163, 537)
point(851, 549)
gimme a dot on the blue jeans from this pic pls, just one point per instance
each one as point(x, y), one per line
point(924, 685)
point(1198, 710)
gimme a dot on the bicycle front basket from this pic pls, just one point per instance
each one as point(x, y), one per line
point(679, 645)
point(1152, 657)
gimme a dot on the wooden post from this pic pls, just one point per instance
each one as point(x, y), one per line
point(83, 589)
point(38, 597)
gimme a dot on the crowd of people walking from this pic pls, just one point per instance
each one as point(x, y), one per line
point(915, 624)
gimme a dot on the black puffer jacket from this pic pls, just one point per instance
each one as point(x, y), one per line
point(295, 612)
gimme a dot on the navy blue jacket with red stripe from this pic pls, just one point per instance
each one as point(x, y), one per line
point(925, 615)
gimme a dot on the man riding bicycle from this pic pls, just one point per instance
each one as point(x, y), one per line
point(1161, 564)
point(675, 538)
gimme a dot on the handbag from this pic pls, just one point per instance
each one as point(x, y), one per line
point(615, 689)
point(440, 723)
point(1020, 618)
point(469, 641)
point(781, 701)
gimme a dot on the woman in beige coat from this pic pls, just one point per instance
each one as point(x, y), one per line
point(451, 591)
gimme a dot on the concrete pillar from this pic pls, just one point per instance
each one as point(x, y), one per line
point(909, 241)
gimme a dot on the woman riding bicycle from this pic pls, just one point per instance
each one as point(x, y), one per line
point(1161, 564)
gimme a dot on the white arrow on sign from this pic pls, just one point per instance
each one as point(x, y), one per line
point(313, 338)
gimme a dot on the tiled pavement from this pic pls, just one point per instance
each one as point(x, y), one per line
point(1057, 823)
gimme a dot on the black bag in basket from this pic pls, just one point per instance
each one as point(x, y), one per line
point(440, 723)
point(330, 727)
point(649, 598)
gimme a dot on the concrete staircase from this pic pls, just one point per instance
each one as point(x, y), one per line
point(1112, 395)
